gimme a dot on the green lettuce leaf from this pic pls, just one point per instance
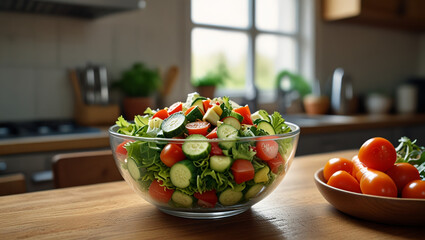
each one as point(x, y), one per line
point(278, 123)
point(408, 151)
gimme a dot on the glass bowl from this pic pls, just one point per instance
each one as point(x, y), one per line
point(247, 194)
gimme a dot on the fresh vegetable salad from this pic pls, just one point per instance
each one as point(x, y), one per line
point(205, 152)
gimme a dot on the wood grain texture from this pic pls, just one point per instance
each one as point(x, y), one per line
point(296, 210)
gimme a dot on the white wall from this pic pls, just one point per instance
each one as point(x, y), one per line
point(36, 51)
point(377, 59)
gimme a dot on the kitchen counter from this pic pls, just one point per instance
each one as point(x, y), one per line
point(55, 143)
point(309, 125)
point(295, 210)
point(337, 123)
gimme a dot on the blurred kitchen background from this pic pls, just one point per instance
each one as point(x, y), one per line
point(344, 71)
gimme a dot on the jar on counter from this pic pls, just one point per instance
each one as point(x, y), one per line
point(407, 99)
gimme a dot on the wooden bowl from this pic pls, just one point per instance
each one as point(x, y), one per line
point(395, 211)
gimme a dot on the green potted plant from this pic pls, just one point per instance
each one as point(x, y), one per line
point(207, 84)
point(139, 85)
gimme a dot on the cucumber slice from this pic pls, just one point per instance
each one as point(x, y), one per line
point(195, 114)
point(254, 191)
point(230, 197)
point(227, 132)
point(236, 115)
point(267, 127)
point(133, 169)
point(198, 102)
point(197, 149)
point(183, 173)
point(233, 122)
point(174, 125)
point(181, 199)
point(220, 163)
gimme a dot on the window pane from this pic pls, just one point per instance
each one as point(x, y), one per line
point(227, 13)
point(273, 54)
point(276, 15)
point(214, 48)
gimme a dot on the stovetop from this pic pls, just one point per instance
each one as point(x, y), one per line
point(11, 130)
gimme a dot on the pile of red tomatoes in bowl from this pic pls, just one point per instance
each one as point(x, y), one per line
point(374, 171)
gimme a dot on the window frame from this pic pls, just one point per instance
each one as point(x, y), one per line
point(303, 36)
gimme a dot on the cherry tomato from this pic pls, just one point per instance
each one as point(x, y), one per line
point(215, 149)
point(378, 153)
point(275, 163)
point(336, 164)
point(176, 107)
point(199, 127)
point(343, 180)
point(160, 194)
point(246, 114)
point(121, 148)
point(402, 174)
point(206, 199)
point(162, 114)
point(358, 168)
point(242, 170)
point(171, 154)
point(414, 189)
point(375, 182)
point(267, 149)
point(212, 134)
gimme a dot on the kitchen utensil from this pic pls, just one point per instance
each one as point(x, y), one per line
point(102, 80)
point(396, 211)
point(169, 81)
point(342, 96)
point(407, 99)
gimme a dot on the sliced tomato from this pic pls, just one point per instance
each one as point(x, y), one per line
point(176, 107)
point(246, 114)
point(242, 170)
point(199, 127)
point(206, 104)
point(171, 154)
point(215, 149)
point(160, 194)
point(162, 114)
point(206, 199)
point(267, 149)
point(212, 134)
point(275, 163)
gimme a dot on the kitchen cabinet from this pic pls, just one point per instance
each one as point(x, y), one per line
point(397, 14)
point(335, 141)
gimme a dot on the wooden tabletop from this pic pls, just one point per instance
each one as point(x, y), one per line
point(295, 210)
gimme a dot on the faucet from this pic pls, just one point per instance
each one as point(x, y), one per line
point(342, 92)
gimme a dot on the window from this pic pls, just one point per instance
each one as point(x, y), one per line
point(253, 39)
